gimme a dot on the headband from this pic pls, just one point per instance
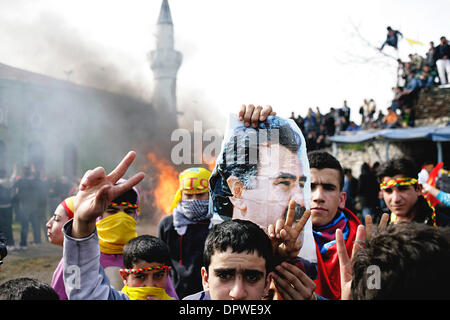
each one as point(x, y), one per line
point(397, 182)
point(135, 271)
point(68, 205)
point(128, 204)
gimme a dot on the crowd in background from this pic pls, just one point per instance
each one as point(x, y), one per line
point(30, 199)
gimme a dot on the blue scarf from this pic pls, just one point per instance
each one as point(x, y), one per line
point(325, 236)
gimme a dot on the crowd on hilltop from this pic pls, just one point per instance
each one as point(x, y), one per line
point(413, 75)
point(420, 73)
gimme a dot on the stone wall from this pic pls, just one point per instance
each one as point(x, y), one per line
point(353, 158)
point(433, 106)
point(372, 152)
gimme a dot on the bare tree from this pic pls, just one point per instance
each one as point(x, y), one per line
point(367, 52)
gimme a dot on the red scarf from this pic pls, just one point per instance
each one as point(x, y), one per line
point(328, 282)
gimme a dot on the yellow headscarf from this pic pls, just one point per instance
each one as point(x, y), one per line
point(141, 293)
point(192, 181)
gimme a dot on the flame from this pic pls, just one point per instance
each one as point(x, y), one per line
point(166, 181)
point(166, 184)
point(211, 163)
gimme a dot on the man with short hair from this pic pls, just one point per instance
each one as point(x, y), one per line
point(328, 214)
point(238, 260)
point(402, 192)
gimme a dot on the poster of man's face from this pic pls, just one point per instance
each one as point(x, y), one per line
point(259, 171)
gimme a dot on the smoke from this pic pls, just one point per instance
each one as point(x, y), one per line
point(49, 45)
point(102, 126)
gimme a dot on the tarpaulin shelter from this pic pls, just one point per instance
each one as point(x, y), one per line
point(432, 133)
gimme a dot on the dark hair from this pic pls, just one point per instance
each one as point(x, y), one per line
point(427, 162)
point(240, 236)
point(365, 168)
point(413, 260)
point(128, 196)
point(3, 247)
point(145, 248)
point(27, 289)
point(394, 167)
point(240, 158)
point(323, 160)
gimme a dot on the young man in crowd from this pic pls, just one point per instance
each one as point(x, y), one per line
point(147, 266)
point(403, 193)
point(238, 259)
point(328, 214)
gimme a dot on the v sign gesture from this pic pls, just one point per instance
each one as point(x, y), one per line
point(97, 190)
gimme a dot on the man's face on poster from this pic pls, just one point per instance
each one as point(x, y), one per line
point(279, 178)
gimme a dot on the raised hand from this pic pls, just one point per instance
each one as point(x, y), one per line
point(285, 237)
point(96, 191)
point(345, 262)
point(369, 224)
point(251, 115)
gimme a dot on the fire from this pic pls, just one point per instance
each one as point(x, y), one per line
point(211, 163)
point(166, 184)
point(166, 181)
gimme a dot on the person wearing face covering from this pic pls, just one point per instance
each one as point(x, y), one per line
point(186, 229)
point(115, 228)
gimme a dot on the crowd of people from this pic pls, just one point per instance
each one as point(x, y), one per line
point(413, 75)
point(197, 257)
point(317, 127)
point(29, 198)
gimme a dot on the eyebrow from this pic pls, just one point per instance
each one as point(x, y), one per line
point(325, 185)
point(284, 175)
point(243, 272)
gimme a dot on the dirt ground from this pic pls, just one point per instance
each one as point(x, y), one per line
point(39, 261)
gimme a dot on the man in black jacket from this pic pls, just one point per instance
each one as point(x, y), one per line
point(442, 58)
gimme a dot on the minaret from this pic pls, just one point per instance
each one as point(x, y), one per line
point(165, 62)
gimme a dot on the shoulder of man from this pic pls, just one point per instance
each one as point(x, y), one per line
point(165, 225)
point(352, 218)
point(202, 295)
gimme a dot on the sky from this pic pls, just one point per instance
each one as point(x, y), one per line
point(290, 54)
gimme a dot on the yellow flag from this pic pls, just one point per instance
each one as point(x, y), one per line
point(412, 42)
